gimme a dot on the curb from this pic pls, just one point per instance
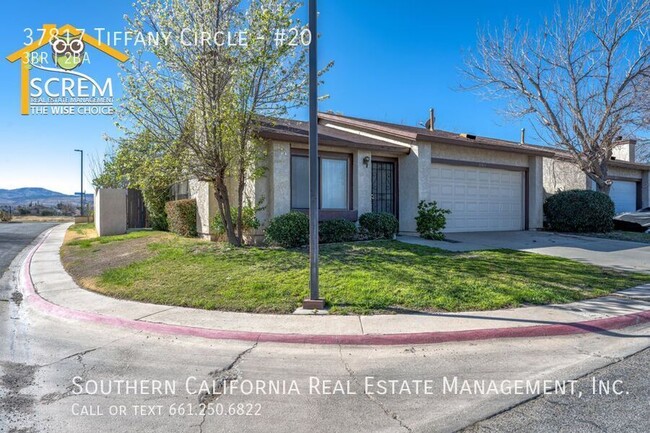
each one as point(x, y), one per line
point(601, 326)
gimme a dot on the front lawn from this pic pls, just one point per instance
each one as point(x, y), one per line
point(357, 277)
point(622, 236)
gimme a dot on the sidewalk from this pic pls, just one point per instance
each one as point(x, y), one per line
point(54, 291)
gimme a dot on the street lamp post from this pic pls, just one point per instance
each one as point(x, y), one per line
point(314, 301)
point(81, 191)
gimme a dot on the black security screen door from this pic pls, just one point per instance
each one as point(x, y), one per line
point(383, 187)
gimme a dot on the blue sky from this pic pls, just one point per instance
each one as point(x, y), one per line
point(393, 60)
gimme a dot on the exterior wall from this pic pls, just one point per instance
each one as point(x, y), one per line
point(279, 178)
point(562, 176)
point(446, 151)
point(625, 172)
point(625, 151)
point(206, 205)
point(645, 189)
point(409, 188)
point(110, 211)
point(535, 192)
point(361, 182)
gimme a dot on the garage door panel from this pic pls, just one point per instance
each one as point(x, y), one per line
point(481, 199)
point(624, 194)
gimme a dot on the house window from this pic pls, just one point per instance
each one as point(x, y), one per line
point(180, 190)
point(334, 182)
point(299, 182)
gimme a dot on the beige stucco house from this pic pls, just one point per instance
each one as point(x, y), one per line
point(488, 184)
point(630, 188)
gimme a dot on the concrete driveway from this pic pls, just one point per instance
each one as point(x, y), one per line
point(620, 255)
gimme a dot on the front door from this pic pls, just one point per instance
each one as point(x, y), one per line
point(384, 187)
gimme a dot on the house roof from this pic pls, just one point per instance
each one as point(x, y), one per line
point(298, 132)
point(438, 136)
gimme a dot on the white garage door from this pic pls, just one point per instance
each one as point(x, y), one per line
point(480, 199)
point(623, 194)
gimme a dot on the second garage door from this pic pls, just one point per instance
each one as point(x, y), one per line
point(623, 194)
point(480, 199)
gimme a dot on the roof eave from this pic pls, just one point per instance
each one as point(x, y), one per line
point(326, 141)
point(482, 145)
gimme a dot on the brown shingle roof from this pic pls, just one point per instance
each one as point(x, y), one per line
point(439, 136)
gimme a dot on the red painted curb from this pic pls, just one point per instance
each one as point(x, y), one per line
point(589, 326)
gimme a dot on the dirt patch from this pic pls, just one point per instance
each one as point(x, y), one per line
point(85, 264)
point(17, 297)
point(73, 235)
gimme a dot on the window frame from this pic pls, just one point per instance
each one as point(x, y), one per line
point(327, 155)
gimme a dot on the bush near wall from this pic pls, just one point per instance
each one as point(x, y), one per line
point(579, 211)
point(431, 220)
point(181, 217)
point(289, 230)
point(378, 225)
point(337, 230)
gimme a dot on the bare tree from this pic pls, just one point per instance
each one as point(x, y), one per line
point(579, 77)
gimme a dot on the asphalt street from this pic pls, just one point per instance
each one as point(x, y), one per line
point(61, 375)
point(16, 236)
point(606, 406)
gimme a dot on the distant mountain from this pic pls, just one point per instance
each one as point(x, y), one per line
point(24, 196)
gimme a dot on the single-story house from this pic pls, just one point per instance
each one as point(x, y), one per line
point(366, 165)
point(630, 188)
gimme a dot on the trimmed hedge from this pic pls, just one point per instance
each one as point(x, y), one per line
point(181, 217)
point(337, 230)
point(288, 230)
point(579, 211)
point(379, 225)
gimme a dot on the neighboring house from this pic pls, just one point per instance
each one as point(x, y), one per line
point(366, 165)
point(630, 188)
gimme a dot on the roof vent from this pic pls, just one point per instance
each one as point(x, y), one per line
point(468, 136)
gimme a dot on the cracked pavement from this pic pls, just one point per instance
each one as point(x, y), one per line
point(51, 371)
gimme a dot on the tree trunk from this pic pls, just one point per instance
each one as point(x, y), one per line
point(602, 182)
point(603, 187)
point(223, 202)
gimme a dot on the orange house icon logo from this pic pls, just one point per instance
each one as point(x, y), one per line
point(68, 53)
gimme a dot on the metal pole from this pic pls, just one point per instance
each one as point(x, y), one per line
point(314, 301)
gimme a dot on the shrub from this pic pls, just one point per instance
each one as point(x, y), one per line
point(5, 216)
point(579, 211)
point(288, 230)
point(379, 225)
point(337, 230)
point(431, 220)
point(249, 220)
point(181, 217)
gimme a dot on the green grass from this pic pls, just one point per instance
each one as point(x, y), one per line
point(359, 277)
point(88, 242)
point(623, 236)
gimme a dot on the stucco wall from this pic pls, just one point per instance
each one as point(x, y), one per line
point(110, 211)
point(535, 192)
point(409, 191)
point(563, 176)
point(461, 153)
point(206, 205)
point(279, 178)
point(362, 182)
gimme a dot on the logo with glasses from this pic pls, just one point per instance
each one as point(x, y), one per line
point(51, 82)
point(68, 51)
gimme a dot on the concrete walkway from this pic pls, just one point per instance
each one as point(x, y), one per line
point(609, 253)
point(57, 289)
